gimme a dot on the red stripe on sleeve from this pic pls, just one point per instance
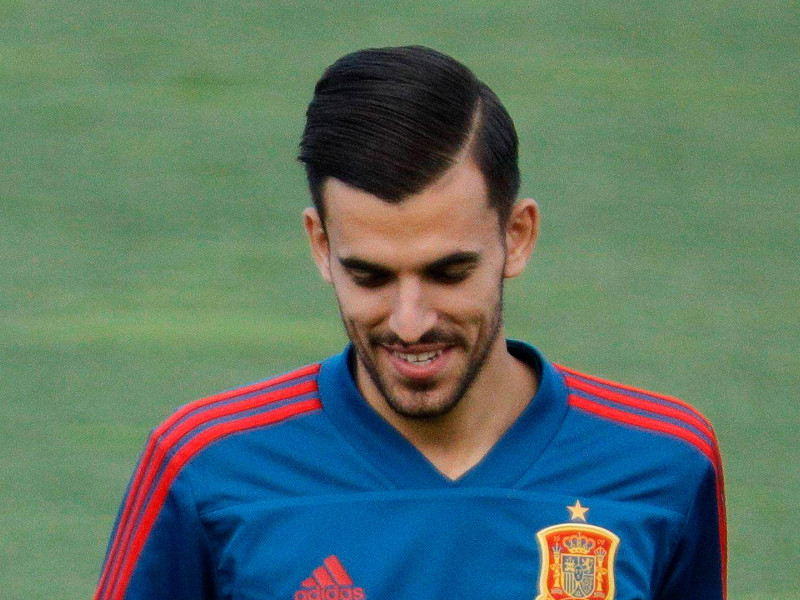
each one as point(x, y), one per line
point(154, 456)
point(176, 463)
point(723, 521)
point(710, 451)
point(648, 405)
point(145, 462)
point(629, 388)
point(622, 416)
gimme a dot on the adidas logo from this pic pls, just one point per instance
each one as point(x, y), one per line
point(329, 581)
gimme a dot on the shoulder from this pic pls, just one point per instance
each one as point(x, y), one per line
point(659, 445)
point(221, 423)
point(204, 423)
point(261, 404)
point(663, 451)
point(161, 496)
point(638, 409)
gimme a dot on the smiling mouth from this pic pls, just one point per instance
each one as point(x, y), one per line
point(422, 358)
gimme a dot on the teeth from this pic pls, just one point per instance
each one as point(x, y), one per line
point(424, 357)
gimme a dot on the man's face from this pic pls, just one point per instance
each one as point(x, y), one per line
point(419, 286)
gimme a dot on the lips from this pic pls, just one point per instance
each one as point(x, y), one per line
point(418, 359)
point(420, 365)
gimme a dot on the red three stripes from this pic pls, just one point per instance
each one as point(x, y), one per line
point(623, 397)
point(138, 514)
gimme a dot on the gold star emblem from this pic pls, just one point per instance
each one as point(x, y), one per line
point(577, 512)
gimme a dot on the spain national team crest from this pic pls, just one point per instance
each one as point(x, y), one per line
point(577, 560)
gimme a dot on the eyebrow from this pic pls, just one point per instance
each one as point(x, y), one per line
point(457, 259)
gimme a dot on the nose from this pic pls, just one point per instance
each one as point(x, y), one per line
point(411, 317)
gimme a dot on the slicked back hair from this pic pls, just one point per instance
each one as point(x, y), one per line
point(391, 121)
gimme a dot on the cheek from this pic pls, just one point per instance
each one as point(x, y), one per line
point(472, 304)
point(359, 307)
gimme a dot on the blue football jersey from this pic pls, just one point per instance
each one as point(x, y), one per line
point(296, 489)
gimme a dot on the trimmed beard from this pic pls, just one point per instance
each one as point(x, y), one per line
point(473, 368)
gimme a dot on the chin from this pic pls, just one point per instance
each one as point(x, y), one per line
point(424, 402)
point(420, 409)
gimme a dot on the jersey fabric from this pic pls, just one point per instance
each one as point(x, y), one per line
point(296, 489)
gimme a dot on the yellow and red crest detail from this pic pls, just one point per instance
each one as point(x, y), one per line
point(577, 562)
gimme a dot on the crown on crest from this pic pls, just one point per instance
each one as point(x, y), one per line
point(578, 544)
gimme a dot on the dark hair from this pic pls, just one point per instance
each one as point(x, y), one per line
point(391, 121)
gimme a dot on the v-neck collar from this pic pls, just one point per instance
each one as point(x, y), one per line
point(387, 449)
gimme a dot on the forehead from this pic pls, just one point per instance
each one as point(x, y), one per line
point(451, 215)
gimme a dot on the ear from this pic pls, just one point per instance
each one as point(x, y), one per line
point(522, 230)
point(318, 239)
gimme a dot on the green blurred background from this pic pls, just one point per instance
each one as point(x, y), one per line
point(151, 248)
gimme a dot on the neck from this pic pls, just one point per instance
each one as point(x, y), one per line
point(458, 440)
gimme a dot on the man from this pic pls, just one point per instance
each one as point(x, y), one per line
point(432, 458)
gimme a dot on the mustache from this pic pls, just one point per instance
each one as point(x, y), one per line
point(433, 336)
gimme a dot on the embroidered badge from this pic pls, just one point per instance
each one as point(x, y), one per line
point(577, 560)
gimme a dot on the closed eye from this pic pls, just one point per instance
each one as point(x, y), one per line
point(449, 276)
point(364, 273)
point(448, 270)
point(454, 268)
point(369, 278)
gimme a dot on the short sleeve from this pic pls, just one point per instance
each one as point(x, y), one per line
point(697, 568)
point(158, 548)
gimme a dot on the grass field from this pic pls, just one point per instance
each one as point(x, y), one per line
point(150, 247)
